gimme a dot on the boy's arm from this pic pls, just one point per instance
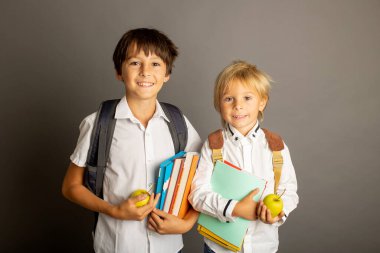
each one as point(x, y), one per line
point(246, 208)
point(74, 190)
point(288, 181)
point(204, 200)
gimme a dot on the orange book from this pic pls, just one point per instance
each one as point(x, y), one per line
point(176, 187)
point(185, 205)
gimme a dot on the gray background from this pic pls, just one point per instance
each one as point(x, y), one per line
point(55, 61)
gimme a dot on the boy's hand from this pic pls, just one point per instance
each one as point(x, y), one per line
point(246, 208)
point(265, 216)
point(127, 210)
point(164, 223)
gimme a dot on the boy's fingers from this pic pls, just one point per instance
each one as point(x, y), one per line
point(152, 224)
point(255, 191)
point(149, 206)
point(157, 220)
point(160, 213)
point(146, 209)
point(263, 213)
point(269, 215)
point(259, 209)
point(251, 194)
point(151, 227)
point(139, 198)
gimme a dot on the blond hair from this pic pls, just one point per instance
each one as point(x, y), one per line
point(248, 74)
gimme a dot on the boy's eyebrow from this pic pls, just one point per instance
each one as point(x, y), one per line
point(244, 93)
point(153, 57)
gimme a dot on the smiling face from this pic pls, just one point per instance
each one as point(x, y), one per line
point(240, 105)
point(143, 75)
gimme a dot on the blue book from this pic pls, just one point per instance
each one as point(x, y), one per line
point(161, 176)
point(235, 184)
point(165, 186)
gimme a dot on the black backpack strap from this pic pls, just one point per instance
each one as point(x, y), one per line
point(100, 144)
point(177, 126)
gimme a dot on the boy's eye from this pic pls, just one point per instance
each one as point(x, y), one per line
point(227, 99)
point(156, 64)
point(134, 63)
point(248, 98)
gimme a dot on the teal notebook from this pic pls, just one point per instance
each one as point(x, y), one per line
point(231, 184)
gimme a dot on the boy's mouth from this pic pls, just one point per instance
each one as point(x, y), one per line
point(145, 84)
point(239, 116)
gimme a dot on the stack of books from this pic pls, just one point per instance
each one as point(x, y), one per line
point(232, 183)
point(174, 181)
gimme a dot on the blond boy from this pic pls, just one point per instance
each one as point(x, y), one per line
point(240, 96)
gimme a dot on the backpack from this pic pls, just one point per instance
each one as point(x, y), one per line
point(275, 143)
point(101, 139)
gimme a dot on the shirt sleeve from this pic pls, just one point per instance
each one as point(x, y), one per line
point(194, 142)
point(79, 156)
point(288, 181)
point(202, 198)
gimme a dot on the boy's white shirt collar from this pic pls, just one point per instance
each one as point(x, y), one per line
point(235, 135)
point(124, 112)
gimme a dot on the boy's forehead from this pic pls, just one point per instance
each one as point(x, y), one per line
point(238, 82)
point(135, 51)
point(142, 53)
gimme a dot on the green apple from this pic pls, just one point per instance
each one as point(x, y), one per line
point(274, 203)
point(139, 192)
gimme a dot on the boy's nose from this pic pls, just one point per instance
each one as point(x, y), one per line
point(144, 70)
point(238, 105)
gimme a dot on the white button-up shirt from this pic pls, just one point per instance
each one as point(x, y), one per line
point(252, 154)
point(135, 155)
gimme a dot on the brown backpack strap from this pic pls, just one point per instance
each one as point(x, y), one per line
point(215, 140)
point(276, 144)
point(274, 140)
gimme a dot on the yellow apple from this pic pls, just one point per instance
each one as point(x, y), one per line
point(139, 192)
point(274, 203)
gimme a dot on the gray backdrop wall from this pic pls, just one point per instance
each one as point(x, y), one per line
point(323, 55)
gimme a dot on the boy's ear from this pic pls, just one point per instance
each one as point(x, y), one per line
point(263, 103)
point(118, 77)
point(166, 78)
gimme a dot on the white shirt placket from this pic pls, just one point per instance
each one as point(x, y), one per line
point(247, 154)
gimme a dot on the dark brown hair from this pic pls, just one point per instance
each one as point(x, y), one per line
point(148, 40)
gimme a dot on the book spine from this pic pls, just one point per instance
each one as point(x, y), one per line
point(160, 181)
point(176, 187)
point(185, 202)
point(172, 184)
point(181, 189)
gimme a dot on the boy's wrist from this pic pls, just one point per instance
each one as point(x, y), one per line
point(110, 210)
point(236, 210)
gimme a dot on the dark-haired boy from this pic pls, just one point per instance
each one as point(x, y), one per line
point(143, 61)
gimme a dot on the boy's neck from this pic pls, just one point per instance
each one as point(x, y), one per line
point(143, 110)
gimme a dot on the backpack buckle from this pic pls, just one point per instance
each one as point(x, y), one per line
point(217, 155)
